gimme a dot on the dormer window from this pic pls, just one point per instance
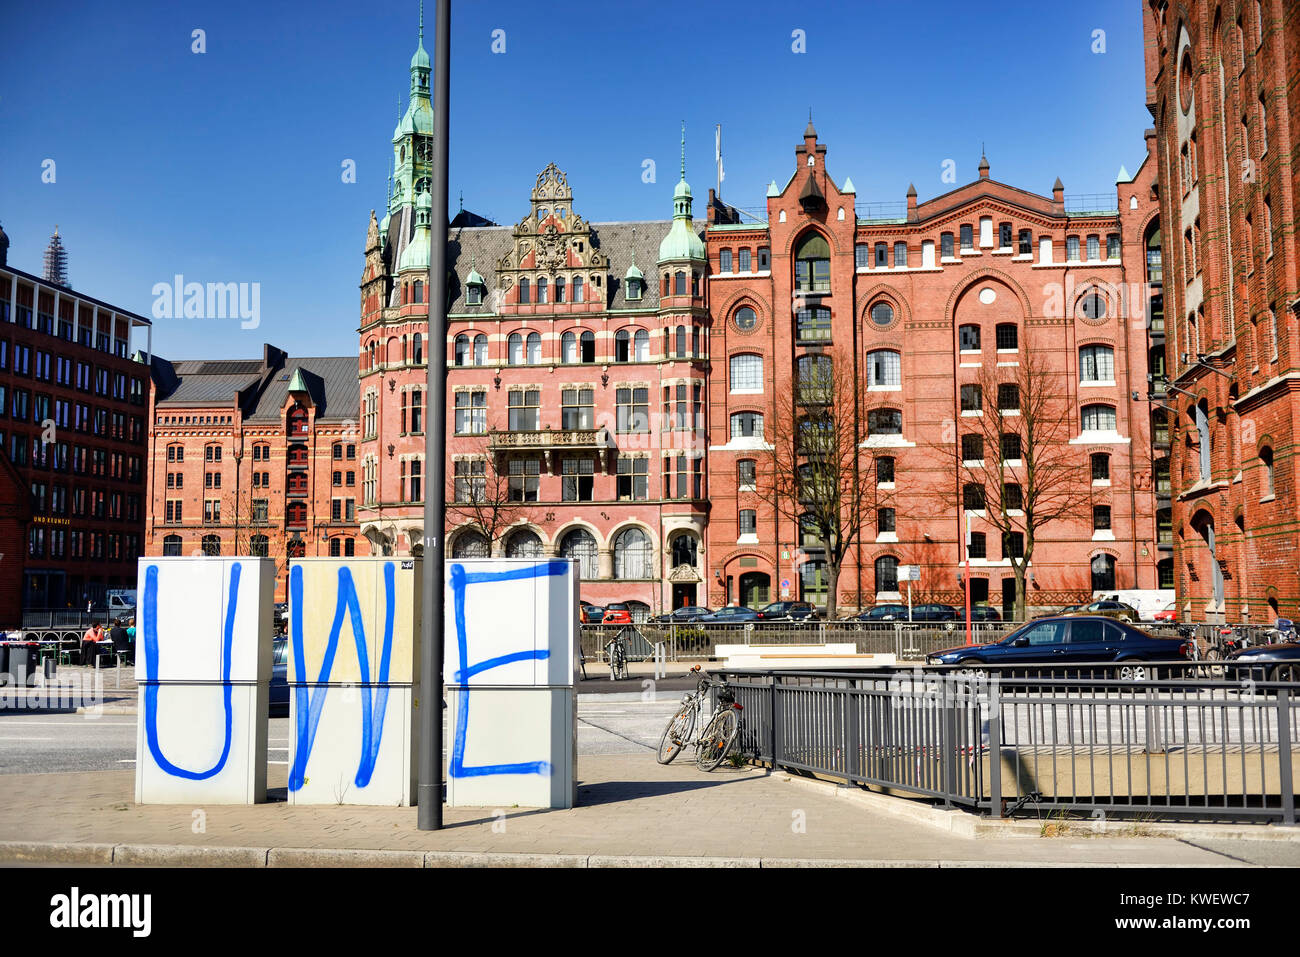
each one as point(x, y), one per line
point(473, 294)
point(633, 289)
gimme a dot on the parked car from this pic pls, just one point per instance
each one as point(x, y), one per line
point(590, 614)
point(1109, 608)
point(683, 615)
point(788, 611)
point(279, 678)
point(617, 613)
point(936, 613)
point(1276, 662)
point(883, 613)
point(1168, 613)
point(980, 613)
point(732, 614)
point(1063, 639)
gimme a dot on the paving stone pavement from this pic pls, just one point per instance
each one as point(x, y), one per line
point(629, 806)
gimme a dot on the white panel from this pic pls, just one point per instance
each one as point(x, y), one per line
point(986, 230)
point(530, 616)
point(1045, 249)
point(508, 728)
point(329, 775)
point(927, 254)
point(190, 722)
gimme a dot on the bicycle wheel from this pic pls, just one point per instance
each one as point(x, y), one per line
point(716, 741)
point(676, 734)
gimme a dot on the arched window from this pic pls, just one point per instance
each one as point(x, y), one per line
point(211, 544)
point(541, 291)
point(297, 426)
point(882, 313)
point(1266, 459)
point(814, 379)
point(886, 574)
point(568, 347)
point(523, 292)
point(747, 373)
point(641, 345)
point(259, 546)
point(471, 544)
point(462, 350)
point(1098, 418)
point(681, 342)
point(523, 544)
point(685, 550)
point(587, 346)
point(417, 349)
point(1103, 573)
point(480, 350)
point(533, 346)
point(515, 349)
point(884, 369)
point(1097, 364)
point(172, 545)
point(580, 544)
point(812, 264)
point(633, 554)
point(623, 346)
point(296, 515)
point(559, 289)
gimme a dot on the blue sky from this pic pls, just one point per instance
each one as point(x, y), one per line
point(226, 166)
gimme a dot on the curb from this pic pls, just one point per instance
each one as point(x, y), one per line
point(185, 855)
point(965, 824)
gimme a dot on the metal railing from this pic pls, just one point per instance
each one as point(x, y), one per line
point(1083, 204)
point(1052, 742)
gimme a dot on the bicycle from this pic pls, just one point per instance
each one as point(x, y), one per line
point(617, 649)
point(715, 741)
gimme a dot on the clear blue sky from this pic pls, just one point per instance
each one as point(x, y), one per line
point(225, 166)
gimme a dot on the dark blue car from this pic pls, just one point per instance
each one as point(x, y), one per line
point(1068, 640)
point(1275, 662)
point(732, 614)
point(279, 678)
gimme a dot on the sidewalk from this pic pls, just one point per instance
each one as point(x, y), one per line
point(632, 811)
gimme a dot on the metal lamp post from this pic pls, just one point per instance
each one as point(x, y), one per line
point(435, 451)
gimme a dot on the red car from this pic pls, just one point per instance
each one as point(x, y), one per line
point(617, 613)
point(1168, 613)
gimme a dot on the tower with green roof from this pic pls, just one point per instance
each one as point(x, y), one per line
point(682, 243)
point(413, 136)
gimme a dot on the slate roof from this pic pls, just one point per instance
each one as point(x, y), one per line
point(485, 246)
point(331, 381)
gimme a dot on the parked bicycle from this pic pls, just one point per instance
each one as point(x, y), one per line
point(616, 648)
point(714, 743)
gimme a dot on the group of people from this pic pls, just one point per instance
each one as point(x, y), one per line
point(122, 636)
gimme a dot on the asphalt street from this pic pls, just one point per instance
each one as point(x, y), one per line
point(50, 741)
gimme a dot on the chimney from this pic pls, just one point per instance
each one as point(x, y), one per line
point(1058, 197)
point(912, 215)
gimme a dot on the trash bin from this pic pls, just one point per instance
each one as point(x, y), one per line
point(23, 662)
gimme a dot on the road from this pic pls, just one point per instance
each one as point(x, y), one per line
point(49, 741)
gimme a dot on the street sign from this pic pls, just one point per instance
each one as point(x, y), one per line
point(909, 573)
point(785, 584)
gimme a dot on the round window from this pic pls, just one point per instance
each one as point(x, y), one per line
point(746, 318)
point(882, 313)
point(1093, 306)
point(1185, 82)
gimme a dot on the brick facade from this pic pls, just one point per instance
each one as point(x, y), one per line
point(1221, 81)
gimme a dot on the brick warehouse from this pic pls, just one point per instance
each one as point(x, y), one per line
point(72, 430)
point(253, 457)
point(613, 415)
point(1221, 85)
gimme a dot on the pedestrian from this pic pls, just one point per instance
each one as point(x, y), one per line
point(89, 643)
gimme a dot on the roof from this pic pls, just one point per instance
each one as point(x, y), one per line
point(486, 246)
point(261, 385)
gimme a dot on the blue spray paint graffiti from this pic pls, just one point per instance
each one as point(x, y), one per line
point(309, 703)
point(460, 580)
point(149, 628)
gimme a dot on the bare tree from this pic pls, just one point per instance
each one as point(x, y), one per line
point(1014, 459)
point(483, 498)
point(817, 472)
point(250, 524)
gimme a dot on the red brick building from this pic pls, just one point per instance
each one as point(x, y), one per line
point(72, 407)
point(254, 457)
point(920, 299)
point(1221, 85)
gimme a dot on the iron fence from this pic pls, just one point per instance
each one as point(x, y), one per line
point(1049, 740)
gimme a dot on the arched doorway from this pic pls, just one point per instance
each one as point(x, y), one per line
point(1203, 522)
point(755, 589)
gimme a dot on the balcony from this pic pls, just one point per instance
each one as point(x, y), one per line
point(552, 441)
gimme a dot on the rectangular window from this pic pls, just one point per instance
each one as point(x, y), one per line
point(524, 478)
point(978, 547)
point(470, 476)
point(748, 521)
point(967, 238)
point(1011, 448)
point(633, 409)
point(1072, 248)
point(1094, 248)
point(578, 479)
point(1026, 247)
point(900, 254)
point(882, 255)
point(744, 261)
point(471, 413)
point(747, 475)
point(1004, 235)
point(1008, 336)
point(1112, 246)
point(972, 398)
point(1008, 397)
point(945, 245)
point(747, 425)
point(884, 470)
point(968, 338)
point(746, 373)
point(633, 479)
point(577, 408)
point(523, 414)
point(884, 368)
point(861, 256)
point(884, 520)
point(1100, 518)
point(724, 260)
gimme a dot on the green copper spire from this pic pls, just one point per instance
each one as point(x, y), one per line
point(413, 138)
point(420, 61)
point(416, 253)
point(682, 242)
